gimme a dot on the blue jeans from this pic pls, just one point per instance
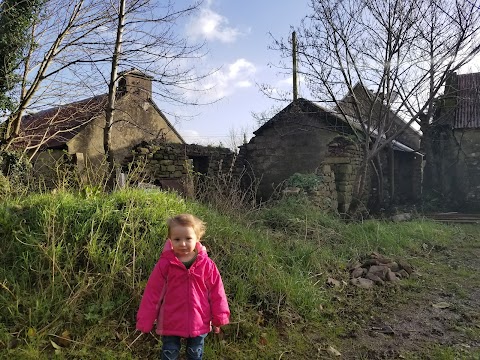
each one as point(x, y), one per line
point(171, 347)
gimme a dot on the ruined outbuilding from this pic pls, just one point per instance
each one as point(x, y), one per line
point(452, 146)
point(307, 138)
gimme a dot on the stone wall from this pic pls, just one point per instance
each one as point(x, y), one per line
point(169, 165)
point(325, 196)
point(337, 163)
point(136, 120)
point(452, 170)
point(344, 158)
point(297, 144)
point(50, 166)
point(218, 159)
point(338, 173)
point(469, 140)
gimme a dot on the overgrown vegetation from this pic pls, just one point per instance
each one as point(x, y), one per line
point(235, 194)
point(15, 171)
point(306, 182)
point(74, 266)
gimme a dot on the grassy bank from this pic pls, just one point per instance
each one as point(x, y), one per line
point(74, 268)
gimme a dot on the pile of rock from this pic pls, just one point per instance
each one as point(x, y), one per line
point(377, 269)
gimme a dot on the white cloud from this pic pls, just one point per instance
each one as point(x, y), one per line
point(285, 83)
point(283, 88)
point(239, 66)
point(472, 67)
point(233, 76)
point(193, 137)
point(212, 26)
point(243, 84)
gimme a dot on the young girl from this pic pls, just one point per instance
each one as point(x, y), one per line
point(184, 293)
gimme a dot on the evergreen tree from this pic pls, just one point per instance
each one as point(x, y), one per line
point(16, 17)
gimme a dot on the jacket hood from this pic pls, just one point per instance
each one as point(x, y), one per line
point(168, 249)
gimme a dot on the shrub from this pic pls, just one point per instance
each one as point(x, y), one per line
point(4, 185)
point(16, 169)
point(306, 182)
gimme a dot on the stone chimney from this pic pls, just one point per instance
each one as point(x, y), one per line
point(135, 82)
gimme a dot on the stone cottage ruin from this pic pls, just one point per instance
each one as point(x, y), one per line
point(77, 128)
point(307, 138)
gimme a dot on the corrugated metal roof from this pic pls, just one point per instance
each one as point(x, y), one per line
point(467, 114)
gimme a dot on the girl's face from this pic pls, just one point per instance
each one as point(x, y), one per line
point(183, 240)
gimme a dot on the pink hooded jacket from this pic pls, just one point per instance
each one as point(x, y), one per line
point(184, 302)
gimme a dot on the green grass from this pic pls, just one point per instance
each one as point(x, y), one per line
point(79, 263)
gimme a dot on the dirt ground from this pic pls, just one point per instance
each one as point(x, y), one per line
point(440, 319)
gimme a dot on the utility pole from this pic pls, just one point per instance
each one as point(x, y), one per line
point(295, 69)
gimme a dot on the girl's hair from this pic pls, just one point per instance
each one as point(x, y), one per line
point(187, 220)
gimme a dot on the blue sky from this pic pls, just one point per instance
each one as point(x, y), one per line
point(237, 36)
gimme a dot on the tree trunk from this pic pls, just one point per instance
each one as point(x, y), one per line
point(380, 180)
point(111, 102)
point(391, 168)
point(359, 187)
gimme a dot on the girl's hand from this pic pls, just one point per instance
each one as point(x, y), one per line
point(216, 329)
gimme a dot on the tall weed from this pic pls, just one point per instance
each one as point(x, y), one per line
point(225, 191)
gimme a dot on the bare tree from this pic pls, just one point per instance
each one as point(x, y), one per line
point(112, 86)
point(237, 136)
point(58, 30)
point(76, 43)
point(145, 40)
point(390, 57)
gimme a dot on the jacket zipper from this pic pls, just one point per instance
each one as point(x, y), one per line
point(189, 306)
